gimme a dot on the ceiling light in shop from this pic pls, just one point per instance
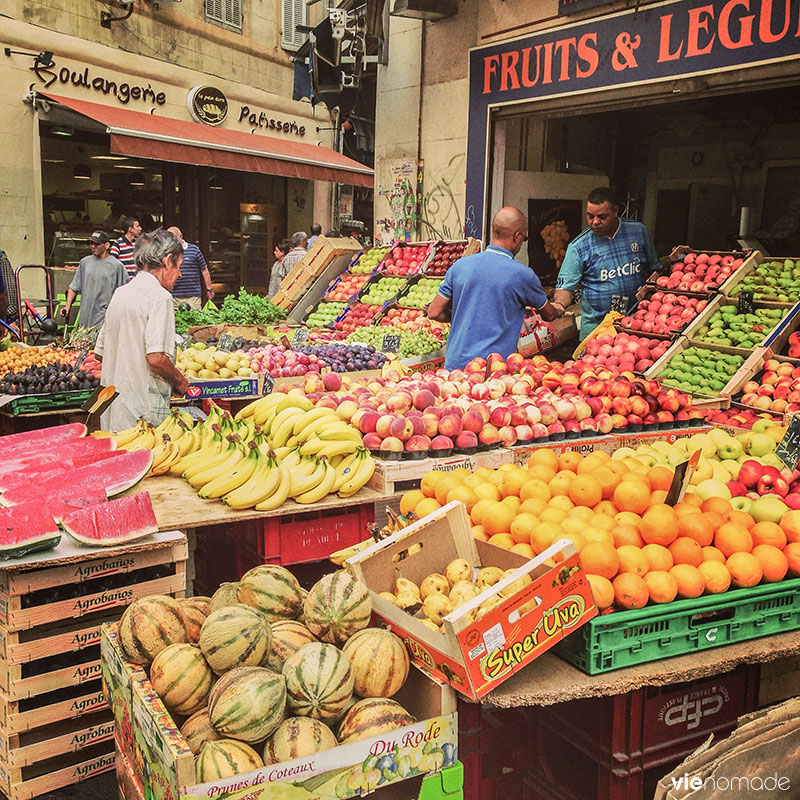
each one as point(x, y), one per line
point(214, 182)
point(52, 160)
point(137, 180)
point(109, 158)
point(82, 172)
point(128, 166)
point(62, 130)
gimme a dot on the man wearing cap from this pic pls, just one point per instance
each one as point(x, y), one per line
point(99, 275)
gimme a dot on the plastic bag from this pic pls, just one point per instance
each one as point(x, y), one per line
point(606, 326)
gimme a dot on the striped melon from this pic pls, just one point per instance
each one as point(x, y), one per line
point(225, 758)
point(298, 737)
point(288, 636)
point(249, 706)
point(379, 661)
point(371, 717)
point(273, 590)
point(336, 607)
point(226, 595)
point(319, 682)
point(234, 636)
point(149, 625)
point(195, 609)
point(197, 730)
point(182, 678)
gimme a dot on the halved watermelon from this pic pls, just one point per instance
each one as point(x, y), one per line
point(65, 501)
point(75, 453)
point(60, 433)
point(115, 475)
point(27, 528)
point(116, 522)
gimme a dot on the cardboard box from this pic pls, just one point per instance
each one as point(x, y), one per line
point(755, 260)
point(476, 656)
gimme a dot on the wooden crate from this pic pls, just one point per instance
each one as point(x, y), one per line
point(128, 781)
point(755, 260)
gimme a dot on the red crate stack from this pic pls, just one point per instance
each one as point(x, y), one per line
point(215, 560)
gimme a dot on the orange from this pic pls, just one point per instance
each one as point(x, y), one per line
point(660, 477)
point(496, 478)
point(618, 467)
point(605, 507)
point(553, 514)
point(659, 525)
point(569, 460)
point(477, 510)
point(502, 540)
point(544, 457)
point(592, 534)
point(560, 484)
point(603, 521)
point(426, 506)
point(745, 569)
point(718, 504)
point(740, 518)
point(716, 520)
point(561, 501)
point(626, 534)
point(464, 494)
point(696, 526)
point(630, 591)
point(443, 487)
point(633, 496)
point(711, 553)
point(636, 476)
point(602, 591)
point(790, 523)
point(689, 579)
point(632, 559)
point(507, 467)
point(544, 535)
point(522, 549)
point(683, 508)
point(580, 512)
point(592, 462)
point(658, 557)
point(408, 502)
point(585, 491)
point(487, 490)
point(472, 480)
point(607, 478)
point(600, 559)
point(792, 553)
point(534, 488)
point(479, 533)
point(513, 481)
point(461, 473)
point(662, 586)
point(522, 527)
point(513, 502)
point(774, 564)
point(429, 480)
point(628, 518)
point(686, 551)
point(573, 525)
point(768, 533)
point(716, 576)
point(658, 497)
point(691, 497)
point(731, 538)
point(533, 505)
point(483, 472)
point(541, 472)
point(497, 518)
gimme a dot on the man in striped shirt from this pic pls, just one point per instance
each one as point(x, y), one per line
point(122, 248)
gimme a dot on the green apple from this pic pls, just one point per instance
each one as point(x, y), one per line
point(664, 448)
point(769, 507)
point(761, 444)
point(761, 425)
point(742, 504)
point(682, 442)
point(712, 488)
point(744, 438)
point(647, 459)
point(718, 472)
point(703, 472)
point(623, 452)
point(677, 458)
point(718, 436)
point(732, 466)
point(772, 460)
point(702, 442)
point(729, 449)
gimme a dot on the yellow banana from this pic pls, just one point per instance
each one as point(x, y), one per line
point(339, 430)
point(305, 483)
point(128, 435)
point(144, 441)
point(229, 481)
point(291, 459)
point(281, 493)
point(282, 452)
point(261, 485)
point(214, 454)
point(258, 407)
point(340, 556)
point(360, 478)
point(347, 468)
point(338, 447)
point(281, 431)
point(225, 467)
point(312, 417)
point(298, 401)
point(168, 455)
point(322, 488)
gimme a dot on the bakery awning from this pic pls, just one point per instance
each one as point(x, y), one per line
point(134, 133)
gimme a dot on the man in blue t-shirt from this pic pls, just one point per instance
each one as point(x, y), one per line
point(610, 260)
point(485, 296)
point(194, 275)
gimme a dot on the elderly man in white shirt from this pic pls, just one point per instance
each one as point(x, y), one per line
point(137, 341)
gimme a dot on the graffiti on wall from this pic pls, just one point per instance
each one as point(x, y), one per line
point(441, 207)
point(402, 222)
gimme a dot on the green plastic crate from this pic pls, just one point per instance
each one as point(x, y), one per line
point(34, 403)
point(625, 638)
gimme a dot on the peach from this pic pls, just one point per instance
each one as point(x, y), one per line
point(500, 416)
point(489, 435)
point(481, 409)
point(417, 425)
point(399, 402)
point(495, 387)
point(430, 424)
point(479, 391)
point(384, 424)
point(369, 421)
point(472, 421)
point(332, 381)
point(392, 444)
point(418, 442)
point(508, 435)
point(346, 409)
point(450, 425)
point(441, 443)
point(402, 428)
point(466, 439)
point(372, 441)
point(524, 432)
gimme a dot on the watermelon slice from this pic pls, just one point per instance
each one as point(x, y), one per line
point(115, 475)
point(60, 433)
point(65, 455)
point(116, 522)
point(27, 528)
point(62, 503)
point(25, 478)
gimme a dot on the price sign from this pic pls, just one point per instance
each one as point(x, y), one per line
point(391, 343)
point(269, 384)
point(681, 479)
point(225, 342)
point(788, 449)
point(745, 304)
point(619, 303)
point(300, 337)
point(80, 359)
point(286, 343)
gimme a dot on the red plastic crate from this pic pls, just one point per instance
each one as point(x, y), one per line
point(302, 538)
point(215, 561)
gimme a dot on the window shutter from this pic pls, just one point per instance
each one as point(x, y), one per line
point(225, 12)
point(294, 13)
point(233, 13)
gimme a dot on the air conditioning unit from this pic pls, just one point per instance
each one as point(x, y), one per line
point(431, 10)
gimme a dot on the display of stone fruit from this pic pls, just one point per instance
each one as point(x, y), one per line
point(400, 317)
point(792, 346)
point(624, 352)
point(405, 259)
point(728, 327)
point(664, 312)
point(48, 378)
point(772, 281)
point(421, 293)
point(345, 287)
point(325, 314)
point(282, 363)
point(367, 261)
point(699, 272)
point(445, 255)
point(412, 343)
point(358, 315)
point(745, 418)
point(342, 357)
point(701, 370)
point(382, 290)
point(777, 389)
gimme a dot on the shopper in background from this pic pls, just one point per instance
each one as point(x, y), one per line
point(316, 231)
point(298, 244)
point(99, 275)
point(194, 275)
point(8, 302)
point(3, 305)
point(122, 248)
point(485, 295)
point(137, 342)
point(332, 234)
point(610, 261)
point(275, 274)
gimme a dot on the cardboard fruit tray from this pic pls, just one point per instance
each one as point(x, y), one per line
point(625, 638)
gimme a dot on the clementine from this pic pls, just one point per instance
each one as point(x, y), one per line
point(686, 550)
point(745, 569)
point(503, 540)
point(426, 506)
point(544, 457)
point(633, 496)
point(658, 557)
point(768, 533)
point(774, 564)
point(632, 559)
point(602, 591)
point(790, 523)
point(662, 586)
point(409, 501)
point(600, 559)
point(660, 478)
point(522, 526)
point(689, 579)
point(497, 518)
point(792, 553)
point(570, 460)
point(732, 538)
point(696, 526)
point(716, 576)
point(630, 591)
point(429, 480)
point(534, 488)
point(659, 525)
point(711, 553)
point(585, 490)
point(626, 534)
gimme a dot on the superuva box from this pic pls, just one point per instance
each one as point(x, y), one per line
point(475, 656)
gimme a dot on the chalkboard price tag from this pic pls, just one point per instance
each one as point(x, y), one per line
point(300, 337)
point(225, 342)
point(788, 449)
point(391, 343)
point(745, 304)
point(619, 303)
point(269, 384)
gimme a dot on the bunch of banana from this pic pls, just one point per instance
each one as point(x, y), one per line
point(394, 522)
point(142, 436)
point(165, 455)
point(266, 488)
point(174, 425)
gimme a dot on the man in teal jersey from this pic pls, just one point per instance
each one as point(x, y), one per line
point(484, 296)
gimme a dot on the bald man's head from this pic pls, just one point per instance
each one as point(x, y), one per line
point(510, 229)
point(176, 231)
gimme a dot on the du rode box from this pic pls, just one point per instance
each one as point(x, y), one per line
point(475, 655)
